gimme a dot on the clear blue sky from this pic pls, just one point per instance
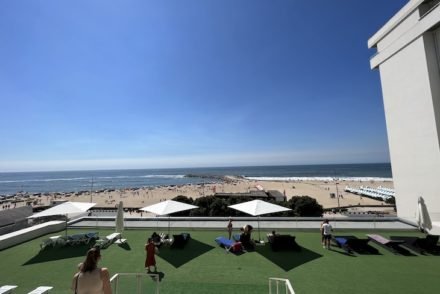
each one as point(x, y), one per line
point(147, 84)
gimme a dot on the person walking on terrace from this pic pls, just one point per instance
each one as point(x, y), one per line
point(327, 233)
point(230, 228)
point(151, 250)
point(91, 279)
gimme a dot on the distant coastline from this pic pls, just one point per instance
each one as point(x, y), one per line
point(76, 181)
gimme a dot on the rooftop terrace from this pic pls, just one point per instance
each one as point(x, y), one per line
point(203, 267)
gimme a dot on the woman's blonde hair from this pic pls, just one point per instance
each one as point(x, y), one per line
point(91, 261)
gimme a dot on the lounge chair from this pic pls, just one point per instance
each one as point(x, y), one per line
point(342, 242)
point(108, 240)
point(53, 241)
point(77, 239)
point(229, 245)
point(46, 243)
point(421, 245)
point(282, 242)
point(7, 289)
point(351, 243)
point(165, 239)
point(41, 290)
point(92, 237)
point(393, 245)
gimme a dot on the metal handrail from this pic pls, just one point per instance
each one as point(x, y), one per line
point(114, 280)
point(289, 288)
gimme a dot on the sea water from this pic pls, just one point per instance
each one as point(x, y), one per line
point(74, 181)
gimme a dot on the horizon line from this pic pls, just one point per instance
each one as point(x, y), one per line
point(197, 167)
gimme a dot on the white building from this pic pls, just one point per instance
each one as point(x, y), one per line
point(408, 59)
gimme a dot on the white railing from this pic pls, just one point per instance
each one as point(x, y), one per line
point(116, 283)
point(288, 289)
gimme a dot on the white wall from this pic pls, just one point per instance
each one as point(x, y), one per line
point(411, 91)
point(398, 31)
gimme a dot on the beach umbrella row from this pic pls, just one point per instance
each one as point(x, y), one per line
point(254, 208)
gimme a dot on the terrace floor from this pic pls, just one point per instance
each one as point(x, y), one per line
point(203, 267)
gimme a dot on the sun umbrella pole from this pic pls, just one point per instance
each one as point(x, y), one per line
point(66, 225)
point(259, 237)
point(168, 226)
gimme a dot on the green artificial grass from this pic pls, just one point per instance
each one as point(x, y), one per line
point(203, 267)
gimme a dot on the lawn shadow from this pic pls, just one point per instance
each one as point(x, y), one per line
point(288, 260)
point(160, 274)
point(337, 249)
point(396, 249)
point(57, 253)
point(178, 257)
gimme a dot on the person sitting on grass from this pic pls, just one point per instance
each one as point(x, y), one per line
point(245, 237)
point(271, 236)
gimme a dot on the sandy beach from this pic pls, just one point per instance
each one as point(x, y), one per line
point(141, 197)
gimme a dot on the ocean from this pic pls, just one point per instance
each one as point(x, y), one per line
point(74, 181)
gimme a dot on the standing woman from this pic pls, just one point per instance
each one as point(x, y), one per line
point(230, 228)
point(151, 250)
point(91, 279)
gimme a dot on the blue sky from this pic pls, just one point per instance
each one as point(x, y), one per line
point(150, 84)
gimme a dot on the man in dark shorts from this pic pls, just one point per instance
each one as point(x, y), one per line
point(327, 234)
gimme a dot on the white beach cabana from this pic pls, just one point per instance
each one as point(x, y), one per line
point(257, 208)
point(68, 209)
point(168, 207)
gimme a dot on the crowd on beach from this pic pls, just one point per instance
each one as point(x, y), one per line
point(322, 191)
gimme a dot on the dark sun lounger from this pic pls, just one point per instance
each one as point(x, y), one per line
point(229, 245)
point(351, 243)
point(429, 244)
point(393, 245)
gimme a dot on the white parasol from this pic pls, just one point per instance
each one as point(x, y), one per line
point(257, 208)
point(68, 209)
point(168, 207)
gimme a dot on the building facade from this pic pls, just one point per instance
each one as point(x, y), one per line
point(408, 59)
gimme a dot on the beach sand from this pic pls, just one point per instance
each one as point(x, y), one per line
point(138, 198)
